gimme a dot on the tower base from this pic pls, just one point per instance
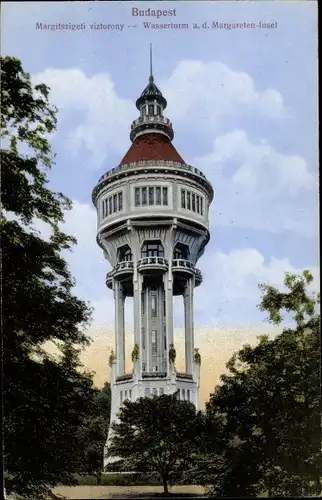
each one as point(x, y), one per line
point(134, 388)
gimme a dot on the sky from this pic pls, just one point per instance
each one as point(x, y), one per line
point(243, 103)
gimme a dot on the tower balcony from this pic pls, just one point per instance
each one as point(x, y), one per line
point(184, 376)
point(125, 378)
point(153, 265)
point(122, 271)
point(154, 375)
point(151, 121)
point(183, 268)
point(198, 277)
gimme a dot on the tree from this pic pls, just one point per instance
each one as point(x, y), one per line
point(270, 403)
point(94, 433)
point(158, 435)
point(46, 398)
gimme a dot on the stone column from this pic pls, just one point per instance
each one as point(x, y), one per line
point(119, 300)
point(137, 321)
point(168, 283)
point(189, 326)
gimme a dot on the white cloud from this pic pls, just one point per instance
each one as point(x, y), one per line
point(211, 91)
point(201, 91)
point(259, 187)
point(230, 290)
point(104, 120)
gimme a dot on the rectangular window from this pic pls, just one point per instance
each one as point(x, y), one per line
point(137, 197)
point(143, 367)
point(161, 391)
point(144, 200)
point(153, 306)
point(147, 392)
point(158, 195)
point(114, 203)
point(165, 341)
point(188, 394)
point(151, 109)
point(201, 206)
point(121, 396)
point(165, 195)
point(154, 343)
point(183, 395)
point(151, 195)
point(193, 202)
point(188, 201)
point(103, 209)
point(164, 308)
point(120, 200)
point(183, 198)
point(106, 207)
point(198, 204)
point(110, 207)
point(125, 395)
point(155, 391)
point(142, 304)
point(130, 394)
point(143, 337)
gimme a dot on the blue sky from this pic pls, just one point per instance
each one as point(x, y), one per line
point(244, 109)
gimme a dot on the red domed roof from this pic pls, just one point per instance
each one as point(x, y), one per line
point(152, 147)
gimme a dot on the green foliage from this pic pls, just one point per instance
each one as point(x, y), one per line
point(269, 405)
point(295, 300)
point(159, 434)
point(94, 431)
point(45, 399)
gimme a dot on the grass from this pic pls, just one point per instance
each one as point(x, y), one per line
point(107, 492)
point(119, 479)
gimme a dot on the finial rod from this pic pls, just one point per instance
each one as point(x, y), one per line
point(151, 72)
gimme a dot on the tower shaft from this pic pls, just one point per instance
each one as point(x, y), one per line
point(153, 227)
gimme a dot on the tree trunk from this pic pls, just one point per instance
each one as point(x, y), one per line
point(165, 484)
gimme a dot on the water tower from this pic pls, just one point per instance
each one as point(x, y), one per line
point(153, 226)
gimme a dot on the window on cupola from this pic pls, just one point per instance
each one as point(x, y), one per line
point(151, 109)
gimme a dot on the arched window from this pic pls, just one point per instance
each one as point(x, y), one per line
point(181, 251)
point(124, 253)
point(152, 248)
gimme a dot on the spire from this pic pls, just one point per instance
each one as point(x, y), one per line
point(151, 91)
point(151, 72)
point(151, 105)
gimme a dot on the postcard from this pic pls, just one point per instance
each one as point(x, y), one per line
point(182, 137)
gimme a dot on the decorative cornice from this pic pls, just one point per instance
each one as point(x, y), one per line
point(135, 168)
